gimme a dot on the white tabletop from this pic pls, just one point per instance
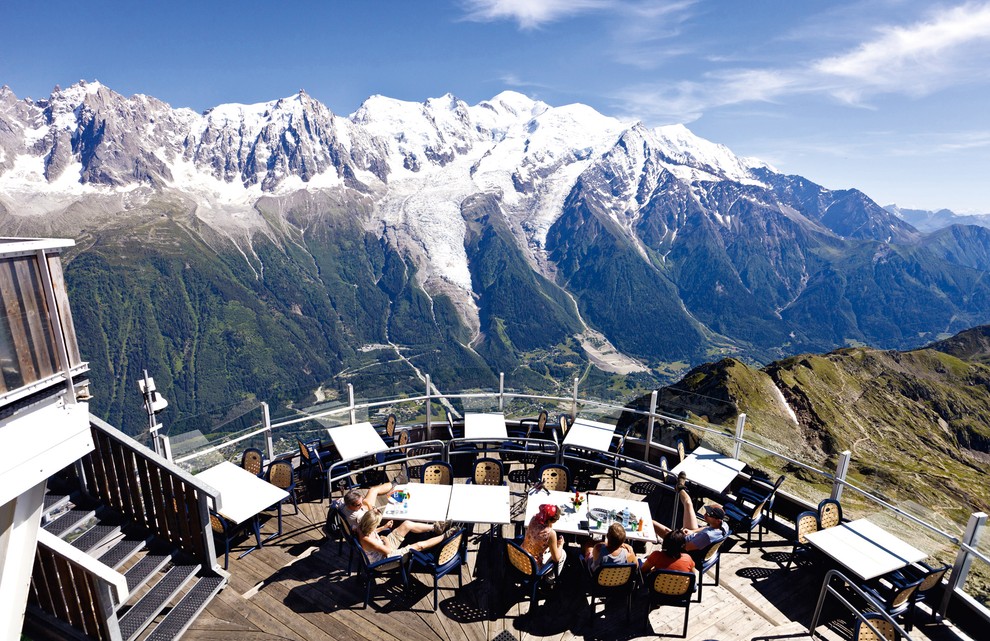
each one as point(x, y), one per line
point(638, 509)
point(865, 548)
point(484, 426)
point(355, 441)
point(242, 494)
point(591, 434)
point(710, 469)
point(470, 503)
point(570, 519)
point(427, 503)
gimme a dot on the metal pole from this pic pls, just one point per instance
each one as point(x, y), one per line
point(960, 569)
point(266, 417)
point(429, 410)
point(153, 425)
point(501, 391)
point(650, 422)
point(740, 429)
point(840, 474)
point(350, 400)
point(575, 402)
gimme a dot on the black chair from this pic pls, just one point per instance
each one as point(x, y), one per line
point(313, 467)
point(756, 492)
point(556, 477)
point(524, 569)
point(862, 632)
point(829, 513)
point(226, 532)
point(338, 529)
point(343, 479)
point(670, 587)
point(894, 599)
point(389, 436)
point(370, 571)
point(450, 554)
point(611, 579)
point(252, 460)
point(804, 524)
point(930, 577)
point(747, 520)
point(281, 475)
point(706, 559)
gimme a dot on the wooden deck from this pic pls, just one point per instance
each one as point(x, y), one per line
point(297, 587)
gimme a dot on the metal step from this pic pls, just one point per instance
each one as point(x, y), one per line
point(69, 521)
point(53, 502)
point(144, 569)
point(123, 550)
point(95, 537)
point(147, 607)
point(187, 609)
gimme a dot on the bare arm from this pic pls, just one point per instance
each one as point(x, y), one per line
point(369, 543)
point(556, 553)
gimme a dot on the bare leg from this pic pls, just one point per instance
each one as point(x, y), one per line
point(428, 543)
point(661, 529)
point(415, 527)
point(690, 519)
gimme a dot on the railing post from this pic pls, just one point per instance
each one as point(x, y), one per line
point(840, 474)
point(429, 409)
point(166, 447)
point(740, 428)
point(204, 516)
point(266, 418)
point(501, 391)
point(62, 353)
point(575, 401)
point(960, 569)
point(350, 401)
point(650, 423)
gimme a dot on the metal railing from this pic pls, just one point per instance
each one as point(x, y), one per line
point(827, 589)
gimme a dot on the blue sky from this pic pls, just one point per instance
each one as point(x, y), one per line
point(888, 96)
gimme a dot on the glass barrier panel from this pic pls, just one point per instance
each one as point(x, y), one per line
point(978, 580)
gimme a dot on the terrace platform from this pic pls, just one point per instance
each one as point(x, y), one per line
point(297, 587)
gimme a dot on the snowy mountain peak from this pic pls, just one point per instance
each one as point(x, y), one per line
point(685, 148)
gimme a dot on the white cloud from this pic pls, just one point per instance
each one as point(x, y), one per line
point(531, 13)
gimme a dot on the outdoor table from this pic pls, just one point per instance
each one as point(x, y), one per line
point(243, 495)
point(571, 521)
point(866, 549)
point(593, 435)
point(637, 509)
point(357, 440)
point(471, 503)
point(709, 469)
point(427, 503)
point(485, 426)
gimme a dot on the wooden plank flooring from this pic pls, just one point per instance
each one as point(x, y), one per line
point(297, 587)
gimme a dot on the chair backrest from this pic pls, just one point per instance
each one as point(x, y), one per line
point(385, 565)
point(863, 632)
point(303, 451)
point(681, 454)
point(933, 577)
point(663, 464)
point(251, 460)
point(450, 548)
point(829, 513)
point(390, 425)
point(437, 473)
point(218, 523)
point(488, 471)
point(672, 583)
point(805, 523)
point(564, 426)
point(555, 477)
point(280, 474)
point(900, 597)
point(520, 559)
point(612, 575)
point(710, 555)
point(403, 438)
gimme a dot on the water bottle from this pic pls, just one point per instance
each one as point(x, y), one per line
point(405, 504)
point(625, 518)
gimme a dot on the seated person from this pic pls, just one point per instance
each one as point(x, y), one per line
point(697, 537)
point(613, 550)
point(670, 556)
point(354, 506)
point(542, 541)
point(378, 548)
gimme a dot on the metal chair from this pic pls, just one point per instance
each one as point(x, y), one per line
point(524, 569)
point(741, 519)
point(252, 460)
point(487, 471)
point(556, 477)
point(339, 529)
point(389, 437)
point(894, 599)
point(829, 513)
point(804, 524)
point(450, 555)
point(706, 559)
point(612, 579)
point(370, 571)
point(862, 632)
point(281, 475)
point(438, 473)
point(224, 530)
point(670, 587)
point(313, 466)
point(930, 577)
point(681, 454)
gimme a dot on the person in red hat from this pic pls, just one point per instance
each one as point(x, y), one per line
point(542, 541)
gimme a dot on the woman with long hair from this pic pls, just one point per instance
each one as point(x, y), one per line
point(542, 541)
point(378, 547)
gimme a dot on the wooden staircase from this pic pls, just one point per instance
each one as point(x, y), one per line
point(146, 532)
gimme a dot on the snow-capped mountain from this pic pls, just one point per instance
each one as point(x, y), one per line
point(534, 223)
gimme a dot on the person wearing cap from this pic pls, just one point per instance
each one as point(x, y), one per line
point(541, 540)
point(697, 536)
